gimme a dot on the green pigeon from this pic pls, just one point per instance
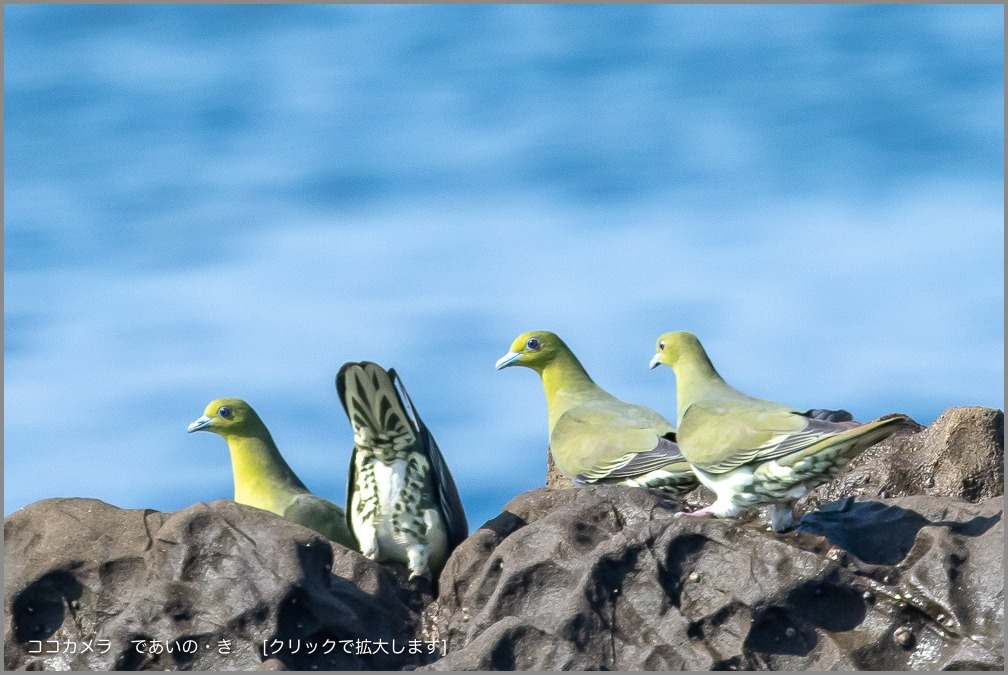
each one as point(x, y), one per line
point(402, 501)
point(595, 437)
point(261, 476)
point(753, 452)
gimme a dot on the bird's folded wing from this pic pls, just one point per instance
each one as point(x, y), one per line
point(849, 439)
point(447, 492)
point(351, 489)
point(597, 443)
point(723, 436)
point(320, 515)
point(631, 465)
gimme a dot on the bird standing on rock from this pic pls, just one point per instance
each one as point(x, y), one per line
point(595, 437)
point(402, 501)
point(261, 476)
point(752, 452)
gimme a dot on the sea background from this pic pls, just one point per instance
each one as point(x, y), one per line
point(205, 201)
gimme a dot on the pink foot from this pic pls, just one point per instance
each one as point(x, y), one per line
point(705, 511)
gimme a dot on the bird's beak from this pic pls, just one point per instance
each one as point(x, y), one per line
point(507, 360)
point(655, 360)
point(201, 423)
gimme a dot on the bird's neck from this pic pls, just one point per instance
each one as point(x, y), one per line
point(261, 476)
point(696, 380)
point(567, 385)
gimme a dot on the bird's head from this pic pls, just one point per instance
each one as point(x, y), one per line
point(535, 349)
point(226, 416)
point(671, 347)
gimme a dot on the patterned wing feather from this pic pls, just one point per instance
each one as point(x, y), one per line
point(447, 494)
point(729, 436)
point(377, 415)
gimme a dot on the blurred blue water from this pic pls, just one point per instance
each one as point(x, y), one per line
point(234, 200)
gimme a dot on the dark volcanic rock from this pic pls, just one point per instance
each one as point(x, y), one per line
point(555, 479)
point(607, 578)
point(960, 455)
point(79, 571)
point(603, 577)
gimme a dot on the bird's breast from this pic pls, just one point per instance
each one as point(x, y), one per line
point(389, 480)
point(393, 489)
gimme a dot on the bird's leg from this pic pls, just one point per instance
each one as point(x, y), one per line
point(408, 532)
point(721, 508)
point(367, 536)
point(418, 555)
point(781, 516)
point(705, 511)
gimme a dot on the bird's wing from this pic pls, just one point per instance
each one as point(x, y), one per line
point(351, 489)
point(719, 436)
point(322, 516)
point(447, 494)
point(602, 440)
point(665, 454)
point(849, 440)
point(353, 385)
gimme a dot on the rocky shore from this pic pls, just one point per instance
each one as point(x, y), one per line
point(897, 564)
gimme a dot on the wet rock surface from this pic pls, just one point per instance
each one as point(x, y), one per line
point(604, 577)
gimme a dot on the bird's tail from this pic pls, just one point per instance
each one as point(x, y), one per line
point(382, 419)
point(824, 459)
point(860, 438)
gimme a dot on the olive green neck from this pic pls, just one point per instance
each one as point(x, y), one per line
point(697, 380)
point(567, 384)
point(261, 476)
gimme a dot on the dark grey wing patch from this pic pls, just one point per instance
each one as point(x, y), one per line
point(828, 415)
point(447, 493)
point(665, 452)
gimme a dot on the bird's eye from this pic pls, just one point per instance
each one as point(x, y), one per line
point(661, 345)
point(533, 344)
point(224, 412)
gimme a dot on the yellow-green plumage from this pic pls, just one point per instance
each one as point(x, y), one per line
point(751, 451)
point(261, 476)
point(595, 437)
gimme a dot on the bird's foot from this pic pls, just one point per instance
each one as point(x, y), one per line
point(705, 511)
point(781, 517)
point(418, 565)
point(421, 574)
